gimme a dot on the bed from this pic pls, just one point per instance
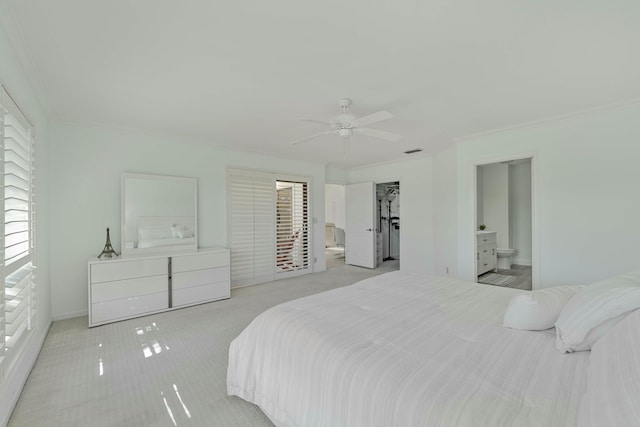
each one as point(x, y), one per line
point(401, 349)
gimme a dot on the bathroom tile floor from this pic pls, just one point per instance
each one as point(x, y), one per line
point(522, 274)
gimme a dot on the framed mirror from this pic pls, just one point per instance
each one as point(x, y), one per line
point(158, 213)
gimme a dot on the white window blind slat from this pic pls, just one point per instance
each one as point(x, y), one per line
point(3, 348)
point(18, 182)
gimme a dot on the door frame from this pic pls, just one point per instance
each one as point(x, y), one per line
point(375, 183)
point(535, 211)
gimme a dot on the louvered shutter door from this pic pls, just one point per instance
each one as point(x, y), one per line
point(3, 113)
point(19, 226)
point(252, 227)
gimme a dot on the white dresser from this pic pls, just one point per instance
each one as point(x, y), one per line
point(486, 251)
point(128, 286)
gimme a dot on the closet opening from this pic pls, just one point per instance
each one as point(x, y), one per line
point(388, 226)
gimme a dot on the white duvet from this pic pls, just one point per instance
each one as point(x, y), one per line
point(404, 350)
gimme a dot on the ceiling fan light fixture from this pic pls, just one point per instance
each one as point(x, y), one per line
point(344, 132)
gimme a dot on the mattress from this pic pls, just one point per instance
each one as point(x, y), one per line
point(402, 349)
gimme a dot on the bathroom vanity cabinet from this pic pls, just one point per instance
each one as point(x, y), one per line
point(486, 251)
point(133, 286)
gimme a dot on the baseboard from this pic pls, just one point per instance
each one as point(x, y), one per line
point(14, 382)
point(520, 261)
point(70, 315)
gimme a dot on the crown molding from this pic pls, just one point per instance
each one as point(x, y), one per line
point(551, 119)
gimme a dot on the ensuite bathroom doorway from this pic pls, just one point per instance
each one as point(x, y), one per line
point(504, 224)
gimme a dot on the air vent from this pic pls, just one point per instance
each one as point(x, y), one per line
point(415, 150)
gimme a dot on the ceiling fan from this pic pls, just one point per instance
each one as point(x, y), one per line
point(346, 124)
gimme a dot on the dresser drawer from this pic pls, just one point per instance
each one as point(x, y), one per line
point(189, 279)
point(199, 294)
point(489, 238)
point(487, 251)
point(108, 271)
point(182, 263)
point(486, 264)
point(107, 291)
point(128, 307)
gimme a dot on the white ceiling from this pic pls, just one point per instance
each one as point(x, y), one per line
point(242, 73)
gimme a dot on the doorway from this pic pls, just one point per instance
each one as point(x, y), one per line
point(334, 214)
point(388, 222)
point(292, 226)
point(504, 224)
point(363, 223)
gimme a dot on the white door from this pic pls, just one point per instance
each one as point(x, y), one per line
point(360, 231)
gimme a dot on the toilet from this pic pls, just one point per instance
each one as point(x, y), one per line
point(504, 257)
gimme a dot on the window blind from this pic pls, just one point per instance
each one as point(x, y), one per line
point(18, 177)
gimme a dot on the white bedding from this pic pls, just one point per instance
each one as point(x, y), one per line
point(404, 350)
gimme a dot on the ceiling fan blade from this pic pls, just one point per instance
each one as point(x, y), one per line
point(313, 136)
point(372, 118)
point(320, 122)
point(379, 134)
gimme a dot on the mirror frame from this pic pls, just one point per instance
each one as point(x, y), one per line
point(158, 249)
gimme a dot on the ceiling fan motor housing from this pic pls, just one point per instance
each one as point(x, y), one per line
point(343, 121)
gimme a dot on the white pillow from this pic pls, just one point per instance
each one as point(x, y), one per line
point(183, 234)
point(594, 310)
point(613, 378)
point(538, 310)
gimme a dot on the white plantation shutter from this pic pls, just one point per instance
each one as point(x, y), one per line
point(268, 227)
point(252, 227)
point(292, 227)
point(19, 292)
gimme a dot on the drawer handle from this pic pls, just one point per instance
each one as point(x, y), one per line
point(493, 251)
point(486, 264)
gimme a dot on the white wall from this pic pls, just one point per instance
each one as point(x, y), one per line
point(445, 212)
point(416, 216)
point(586, 176)
point(336, 175)
point(12, 76)
point(85, 173)
point(495, 200)
point(334, 204)
point(520, 211)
